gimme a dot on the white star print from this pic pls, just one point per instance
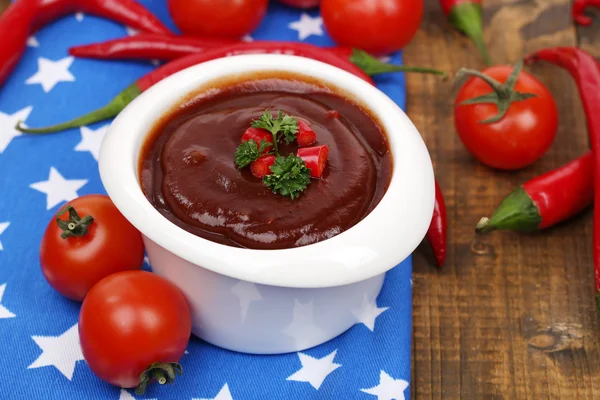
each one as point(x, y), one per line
point(33, 42)
point(58, 189)
point(247, 38)
point(7, 126)
point(307, 26)
point(388, 388)
point(4, 313)
point(62, 351)
point(303, 327)
point(52, 72)
point(368, 312)
point(125, 395)
point(224, 394)
point(3, 226)
point(91, 140)
point(132, 31)
point(247, 293)
point(79, 16)
point(314, 370)
point(385, 59)
point(146, 260)
point(155, 62)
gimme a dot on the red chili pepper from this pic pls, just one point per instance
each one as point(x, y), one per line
point(149, 46)
point(545, 200)
point(258, 135)
point(584, 68)
point(115, 106)
point(315, 158)
point(305, 136)
point(466, 15)
point(437, 232)
point(262, 166)
point(169, 48)
point(578, 8)
point(24, 17)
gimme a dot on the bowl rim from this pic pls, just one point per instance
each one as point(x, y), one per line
point(376, 244)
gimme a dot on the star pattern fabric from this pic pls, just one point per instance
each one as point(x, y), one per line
point(32, 42)
point(224, 394)
point(91, 140)
point(58, 189)
point(3, 227)
point(314, 371)
point(42, 357)
point(4, 312)
point(307, 26)
point(8, 123)
point(50, 73)
point(61, 352)
point(388, 388)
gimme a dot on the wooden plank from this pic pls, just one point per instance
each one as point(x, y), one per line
point(511, 316)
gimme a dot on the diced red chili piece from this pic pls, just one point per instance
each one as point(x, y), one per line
point(258, 135)
point(315, 158)
point(333, 114)
point(262, 166)
point(306, 136)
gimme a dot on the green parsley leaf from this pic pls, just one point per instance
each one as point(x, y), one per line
point(284, 123)
point(289, 177)
point(249, 151)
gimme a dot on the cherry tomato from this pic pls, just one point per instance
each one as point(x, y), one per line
point(109, 244)
point(375, 26)
point(301, 3)
point(220, 18)
point(130, 321)
point(521, 137)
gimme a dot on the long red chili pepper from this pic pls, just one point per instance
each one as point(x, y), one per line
point(579, 7)
point(584, 68)
point(437, 232)
point(23, 17)
point(149, 46)
point(115, 106)
point(546, 200)
point(172, 47)
point(298, 49)
point(466, 15)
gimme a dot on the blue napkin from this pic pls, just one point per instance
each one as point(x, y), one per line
point(39, 345)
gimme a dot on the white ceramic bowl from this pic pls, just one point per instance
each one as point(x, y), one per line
point(274, 301)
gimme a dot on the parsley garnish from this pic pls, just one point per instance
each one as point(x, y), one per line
point(249, 151)
point(289, 177)
point(284, 124)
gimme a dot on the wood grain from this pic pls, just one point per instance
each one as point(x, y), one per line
point(511, 316)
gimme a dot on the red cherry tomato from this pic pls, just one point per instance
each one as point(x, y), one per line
point(521, 137)
point(301, 3)
point(219, 18)
point(74, 264)
point(129, 321)
point(376, 26)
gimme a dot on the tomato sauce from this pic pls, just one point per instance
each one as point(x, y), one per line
point(187, 169)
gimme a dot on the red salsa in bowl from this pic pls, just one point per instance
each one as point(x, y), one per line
point(188, 167)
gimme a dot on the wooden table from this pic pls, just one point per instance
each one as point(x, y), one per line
point(511, 316)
